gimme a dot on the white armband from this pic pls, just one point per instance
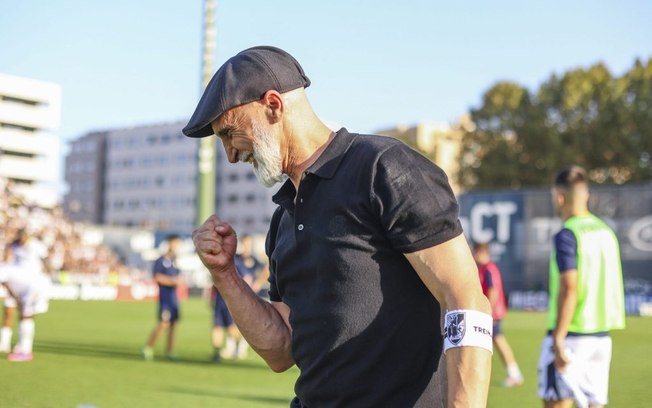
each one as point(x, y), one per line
point(468, 328)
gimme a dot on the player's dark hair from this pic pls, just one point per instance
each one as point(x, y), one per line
point(570, 176)
point(481, 246)
point(172, 237)
point(20, 236)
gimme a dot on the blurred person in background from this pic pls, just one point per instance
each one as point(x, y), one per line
point(167, 276)
point(68, 253)
point(233, 345)
point(586, 300)
point(492, 286)
point(22, 275)
point(258, 268)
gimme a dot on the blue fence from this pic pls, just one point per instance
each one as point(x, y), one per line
point(520, 226)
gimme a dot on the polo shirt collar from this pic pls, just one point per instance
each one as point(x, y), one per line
point(327, 163)
point(325, 166)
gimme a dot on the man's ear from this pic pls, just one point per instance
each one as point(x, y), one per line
point(274, 106)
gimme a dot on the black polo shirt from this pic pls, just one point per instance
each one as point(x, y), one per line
point(365, 328)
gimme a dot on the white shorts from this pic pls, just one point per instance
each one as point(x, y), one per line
point(32, 290)
point(586, 378)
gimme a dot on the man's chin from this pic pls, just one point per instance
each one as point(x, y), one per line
point(270, 181)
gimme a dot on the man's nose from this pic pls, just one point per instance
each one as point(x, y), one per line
point(231, 152)
point(232, 155)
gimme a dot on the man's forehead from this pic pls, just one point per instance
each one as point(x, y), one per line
point(223, 121)
point(229, 119)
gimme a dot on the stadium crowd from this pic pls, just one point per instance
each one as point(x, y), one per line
point(68, 252)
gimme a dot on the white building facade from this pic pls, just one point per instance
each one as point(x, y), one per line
point(150, 177)
point(150, 180)
point(30, 110)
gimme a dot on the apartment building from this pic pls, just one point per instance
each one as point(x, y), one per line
point(30, 110)
point(85, 168)
point(149, 179)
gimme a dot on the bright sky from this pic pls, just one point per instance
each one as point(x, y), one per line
point(373, 64)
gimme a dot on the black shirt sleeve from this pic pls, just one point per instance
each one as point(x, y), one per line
point(270, 243)
point(413, 200)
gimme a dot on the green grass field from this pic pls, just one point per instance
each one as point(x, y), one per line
point(87, 354)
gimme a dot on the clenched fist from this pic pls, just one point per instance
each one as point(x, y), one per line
point(216, 243)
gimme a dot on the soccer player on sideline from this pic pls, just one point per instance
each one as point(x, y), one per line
point(364, 248)
point(492, 286)
point(586, 300)
point(235, 346)
point(166, 275)
point(23, 276)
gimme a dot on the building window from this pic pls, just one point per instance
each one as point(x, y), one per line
point(18, 127)
point(21, 101)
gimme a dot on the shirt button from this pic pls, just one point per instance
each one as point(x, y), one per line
point(300, 227)
point(301, 200)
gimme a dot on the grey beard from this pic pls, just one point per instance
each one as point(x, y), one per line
point(267, 154)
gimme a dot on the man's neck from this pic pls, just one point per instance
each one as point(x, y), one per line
point(303, 151)
point(575, 212)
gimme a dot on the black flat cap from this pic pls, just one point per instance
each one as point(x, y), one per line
point(242, 79)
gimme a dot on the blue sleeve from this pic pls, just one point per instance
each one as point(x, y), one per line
point(488, 279)
point(566, 250)
point(259, 266)
point(238, 264)
point(243, 271)
point(158, 266)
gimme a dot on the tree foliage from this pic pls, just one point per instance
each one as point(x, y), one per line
point(585, 116)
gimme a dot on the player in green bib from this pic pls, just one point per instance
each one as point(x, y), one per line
point(586, 300)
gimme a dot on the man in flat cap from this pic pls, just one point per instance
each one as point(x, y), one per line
point(365, 250)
